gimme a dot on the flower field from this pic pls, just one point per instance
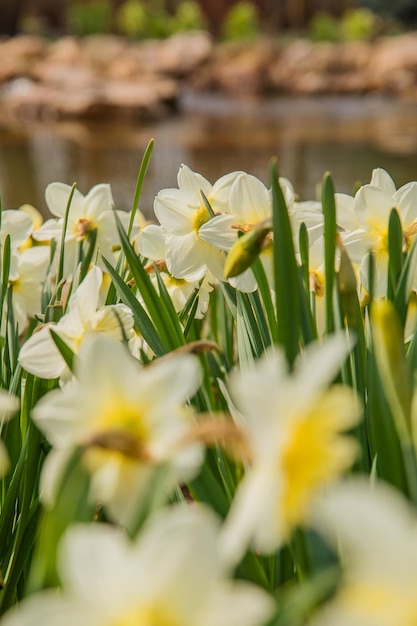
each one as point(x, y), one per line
point(210, 419)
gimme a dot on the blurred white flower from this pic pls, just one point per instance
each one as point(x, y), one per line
point(40, 356)
point(181, 212)
point(375, 530)
point(26, 278)
point(16, 223)
point(130, 419)
point(171, 575)
point(9, 405)
point(294, 427)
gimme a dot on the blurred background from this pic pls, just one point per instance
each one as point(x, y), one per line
point(213, 130)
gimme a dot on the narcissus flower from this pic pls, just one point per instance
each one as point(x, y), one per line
point(27, 274)
point(372, 207)
point(151, 243)
point(294, 426)
point(375, 530)
point(87, 213)
point(181, 213)
point(41, 357)
point(172, 575)
point(130, 420)
point(8, 406)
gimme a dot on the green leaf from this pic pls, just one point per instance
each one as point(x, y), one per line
point(286, 275)
point(139, 184)
point(329, 210)
point(395, 253)
point(66, 352)
point(142, 321)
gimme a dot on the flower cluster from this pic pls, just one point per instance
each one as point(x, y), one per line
point(210, 418)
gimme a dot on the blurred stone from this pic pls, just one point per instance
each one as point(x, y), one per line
point(183, 53)
point(393, 63)
point(19, 54)
point(108, 75)
point(243, 69)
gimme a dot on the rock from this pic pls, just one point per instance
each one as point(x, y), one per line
point(19, 54)
point(240, 69)
point(109, 75)
point(67, 50)
point(140, 97)
point(393, 63)
point(183, 53)
point(102, 50)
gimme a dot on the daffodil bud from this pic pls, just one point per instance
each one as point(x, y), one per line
point(388, 344)
point(246, 250)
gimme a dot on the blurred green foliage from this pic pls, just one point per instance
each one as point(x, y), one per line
point(355, 25)
point(241, 21)
point(138, 19)
point(91, 17)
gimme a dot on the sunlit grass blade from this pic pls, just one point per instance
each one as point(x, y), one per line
point(167, 325)
point(88, 257)
point(286, 274)
point(72, 505)
point(395, 253)
point(265, 294)
point(329, 210)
point(60, 272)
point(388, 346)
point(404, 284)
point(139, 184)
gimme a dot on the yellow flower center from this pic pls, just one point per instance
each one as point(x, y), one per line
point(379, 602)
point(83, 228)
point(201, 217)
point(316, 283)
point(148, 615)
point(121, 429)
point(314, 454)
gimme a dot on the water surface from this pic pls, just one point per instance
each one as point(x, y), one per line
point(214, 135)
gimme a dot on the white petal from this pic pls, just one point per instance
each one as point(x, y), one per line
point(405, 199)
point(381, 178)
point(17, 224)
point(40, 356)
point(175, 210)
point(192, 181)
point(152, 242)
point(219, 231)
point(98, 200)
point(250, 200)
point(57, 196)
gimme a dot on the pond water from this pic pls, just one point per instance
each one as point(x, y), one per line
point(214, 135)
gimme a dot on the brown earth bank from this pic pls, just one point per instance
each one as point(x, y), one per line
point(105, 75)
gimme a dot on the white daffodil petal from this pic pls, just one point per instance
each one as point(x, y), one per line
point(57, 196)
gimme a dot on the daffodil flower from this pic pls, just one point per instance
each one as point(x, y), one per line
point(40, 356)
point(181, 213)
point(294, 427)
point(16, 223)
point(375, 530)
point(130, 420)
point(87, 213)
point(372, 206)
point(172, 575)
point(8, 406)
point(26, 278)
point(152, 245)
